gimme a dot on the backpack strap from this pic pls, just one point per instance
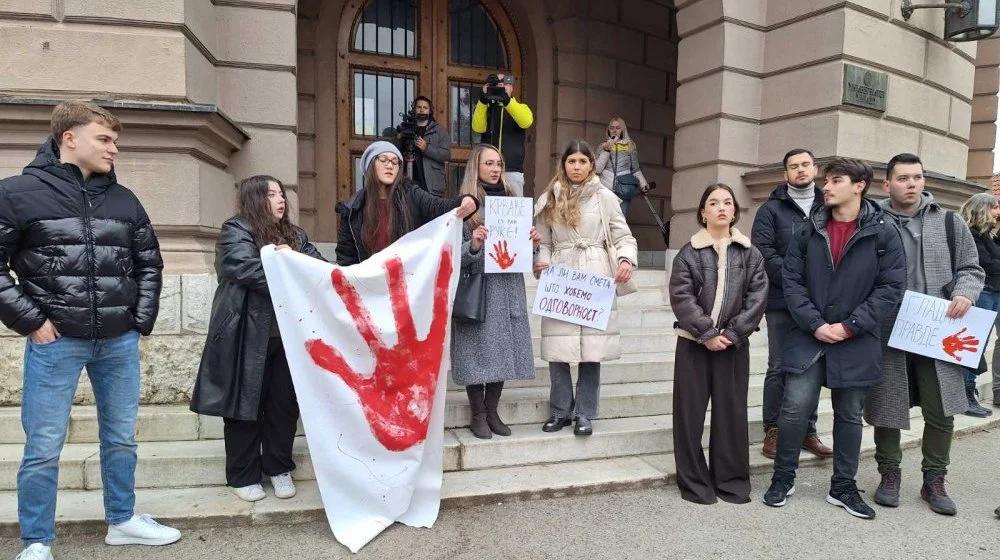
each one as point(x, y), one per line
point(949, 233)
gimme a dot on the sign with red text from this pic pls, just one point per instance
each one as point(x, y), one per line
point(575, 296)
point(922, 327)
point(368, 347)
point(508, 244)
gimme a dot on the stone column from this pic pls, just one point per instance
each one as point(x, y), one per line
point(758, 79)
point(984, 111)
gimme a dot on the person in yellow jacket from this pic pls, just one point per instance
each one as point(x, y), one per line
point(501, 122)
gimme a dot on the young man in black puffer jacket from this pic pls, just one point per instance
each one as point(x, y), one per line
point(88, 284)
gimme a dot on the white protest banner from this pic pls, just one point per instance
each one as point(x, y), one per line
point(575, 296)
point(508, 219)
point(922, 328)
point(368, 348)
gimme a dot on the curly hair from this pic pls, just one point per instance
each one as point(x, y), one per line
point(977, 213)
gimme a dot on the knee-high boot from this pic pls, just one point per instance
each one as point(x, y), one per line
point(477, 399)
point(493, 391)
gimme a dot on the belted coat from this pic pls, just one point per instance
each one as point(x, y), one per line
point(582, 247)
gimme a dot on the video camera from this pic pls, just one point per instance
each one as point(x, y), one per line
point(495, 91)
point(407, 134)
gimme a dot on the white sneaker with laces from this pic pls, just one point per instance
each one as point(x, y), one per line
point(252, 493)
point(37, 551)
point(283, 486)
point(141, 529)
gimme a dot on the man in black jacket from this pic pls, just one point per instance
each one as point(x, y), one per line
point(88, 284)
point(789, 206)
point(845, 270)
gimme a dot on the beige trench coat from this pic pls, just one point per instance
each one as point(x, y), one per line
point(582, 247)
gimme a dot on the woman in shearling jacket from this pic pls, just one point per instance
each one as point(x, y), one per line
point(718, 292)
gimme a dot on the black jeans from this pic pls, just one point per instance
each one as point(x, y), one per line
point(264, 446)
point(800, 400)
point(779, 322)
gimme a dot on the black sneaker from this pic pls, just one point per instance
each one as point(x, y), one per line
point(850, 499)
point(887, 493)
point(777, 494)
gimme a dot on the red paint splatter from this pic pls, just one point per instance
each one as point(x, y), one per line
point(501, 256)
point(397, 398)
point(954, 344)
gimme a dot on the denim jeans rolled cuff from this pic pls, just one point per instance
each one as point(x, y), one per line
point(51, 375)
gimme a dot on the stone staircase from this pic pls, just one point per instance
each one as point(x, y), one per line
point(180, 474)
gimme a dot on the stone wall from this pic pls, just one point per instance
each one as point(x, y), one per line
point(169, 358)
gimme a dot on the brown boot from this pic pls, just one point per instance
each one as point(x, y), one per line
point(815, 446)
point(770, 448)
point(493, 420)
point(477, 399)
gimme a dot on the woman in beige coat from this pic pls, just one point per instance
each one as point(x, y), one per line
point(571, 222)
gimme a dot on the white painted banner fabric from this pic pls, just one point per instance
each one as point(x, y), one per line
point(368, 348)
point(575, 296)
point(922, 328)
point(508, 243)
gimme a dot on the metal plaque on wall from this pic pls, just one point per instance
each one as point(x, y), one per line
point(865, 88)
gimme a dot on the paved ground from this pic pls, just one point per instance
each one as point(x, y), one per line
point(643, 524)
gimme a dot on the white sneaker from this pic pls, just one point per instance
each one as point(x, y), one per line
point(283, 486)
point(251, 493)
point(141, 529)
point(37, 551)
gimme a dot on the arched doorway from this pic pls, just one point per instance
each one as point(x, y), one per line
point(391, 51)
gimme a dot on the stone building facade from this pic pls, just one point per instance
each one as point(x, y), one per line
point(211, 91)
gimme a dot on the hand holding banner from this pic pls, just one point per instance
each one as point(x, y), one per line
point(922, 328)
point(508, 245)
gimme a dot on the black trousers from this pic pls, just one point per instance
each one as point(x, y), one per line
point(264, 446)
point(723, 377)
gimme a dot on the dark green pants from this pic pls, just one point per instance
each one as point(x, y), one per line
point(938, 428)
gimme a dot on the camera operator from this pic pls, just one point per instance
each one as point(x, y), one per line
point(428, 143)
point(501, 120)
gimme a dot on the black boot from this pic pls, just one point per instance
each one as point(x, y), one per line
point(493, 391)
point(935, 495)
point(477, 399)
point(975, 409)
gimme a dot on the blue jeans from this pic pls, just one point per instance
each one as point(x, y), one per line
point(51, 374)
point(778, 323)
point(801, 397)
point(987, 300)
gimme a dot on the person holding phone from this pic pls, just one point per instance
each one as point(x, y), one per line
point(618, 164)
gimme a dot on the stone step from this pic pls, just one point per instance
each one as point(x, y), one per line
point(647, 341)
point(81, 510)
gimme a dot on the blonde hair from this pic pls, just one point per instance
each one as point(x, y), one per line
point(562, 204)
point(976, 213)
point(471, 185)
point(625, 135)
point(71, 114)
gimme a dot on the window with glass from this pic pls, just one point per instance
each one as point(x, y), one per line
point(387, 27)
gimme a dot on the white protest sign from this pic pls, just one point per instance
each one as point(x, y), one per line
point(575, 296)
point(922, 328)
point(508, 245)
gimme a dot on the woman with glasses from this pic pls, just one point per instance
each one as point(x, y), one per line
point(388, 206)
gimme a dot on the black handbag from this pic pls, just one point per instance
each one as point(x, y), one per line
point(626, 186)
point(470, 298)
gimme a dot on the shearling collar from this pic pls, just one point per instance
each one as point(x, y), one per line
point(703, 239)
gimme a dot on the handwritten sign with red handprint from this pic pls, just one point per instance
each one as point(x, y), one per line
point(508, 243)
point(923, 327)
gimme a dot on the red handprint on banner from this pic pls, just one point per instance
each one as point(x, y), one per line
point(501, 256)
point(397, 398)
point(954, 344)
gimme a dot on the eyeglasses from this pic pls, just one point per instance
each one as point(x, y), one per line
point(387, 160)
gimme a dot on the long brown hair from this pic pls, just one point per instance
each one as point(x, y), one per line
point(253, 207)
point(372, 218)
point(471, 185)
point(564, 206)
